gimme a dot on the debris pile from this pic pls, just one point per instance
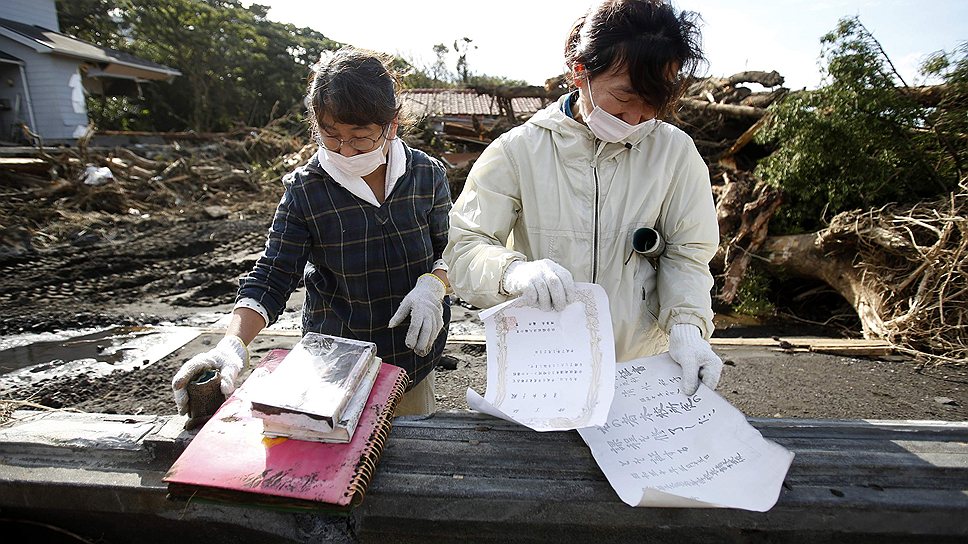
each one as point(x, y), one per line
point(52, 193)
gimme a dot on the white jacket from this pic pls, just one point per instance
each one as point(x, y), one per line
point(549, 189)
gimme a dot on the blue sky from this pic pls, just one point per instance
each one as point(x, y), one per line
point(524, 39)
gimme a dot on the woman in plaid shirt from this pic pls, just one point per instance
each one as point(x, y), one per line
point(364, 225)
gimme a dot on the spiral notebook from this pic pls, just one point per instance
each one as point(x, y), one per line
point(231, 460)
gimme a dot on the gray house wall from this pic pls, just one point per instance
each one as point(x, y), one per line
point(12, 91)
point(48, 79)
point(42, 13)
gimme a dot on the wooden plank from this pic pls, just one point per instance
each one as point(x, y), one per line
point(851, 479)
point(872, 462)
point(24, 165)
point(474, 339)
point(526, 506)
point(818, 428)
point(459, 476)
point(847, 345)
point(854, 351)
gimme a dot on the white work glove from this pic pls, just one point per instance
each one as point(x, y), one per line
point(693, 353)
point(425, 306)
point(229, 357)
point(544, 284)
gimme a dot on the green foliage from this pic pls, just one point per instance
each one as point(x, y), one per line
point(864, 139)
point(95, 21)
point(753, 295)
point(118, 113)
point(950, 117)
point(435, 76)
point(238, 68)
point(484, 80)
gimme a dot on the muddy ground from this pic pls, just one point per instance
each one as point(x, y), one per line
point(183, 270)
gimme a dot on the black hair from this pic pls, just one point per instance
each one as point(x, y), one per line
point(353, 86)
point(661, 48)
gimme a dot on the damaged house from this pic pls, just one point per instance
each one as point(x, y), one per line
point(468, 119)
point(44, 75)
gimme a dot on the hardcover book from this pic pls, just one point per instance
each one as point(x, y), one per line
point(313, 384)
point(232, 460)
point(343, 431)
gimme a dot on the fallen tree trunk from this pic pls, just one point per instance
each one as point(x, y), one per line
point(903, 270)
point(749, 238)
point(766, 79)
point(802, 255)
point(731, 110)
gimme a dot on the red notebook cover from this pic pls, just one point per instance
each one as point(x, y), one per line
point(230, 459)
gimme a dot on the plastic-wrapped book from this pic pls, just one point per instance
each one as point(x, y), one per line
point(313, 385)
point(343, 432)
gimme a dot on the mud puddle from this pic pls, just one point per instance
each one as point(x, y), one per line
point(98, 353)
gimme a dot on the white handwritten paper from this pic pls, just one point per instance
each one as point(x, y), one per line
point(662, 448)
point(549, 371)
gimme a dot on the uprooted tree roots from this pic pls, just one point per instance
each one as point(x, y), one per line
point(903, 270)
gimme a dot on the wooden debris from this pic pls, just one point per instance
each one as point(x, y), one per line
point(28, 165)
point(833, 346)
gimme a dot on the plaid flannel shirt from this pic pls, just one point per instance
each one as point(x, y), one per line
point(357, 260)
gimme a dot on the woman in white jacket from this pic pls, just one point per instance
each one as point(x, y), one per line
point(559, 198)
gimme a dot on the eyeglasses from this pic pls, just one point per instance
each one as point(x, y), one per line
point(359, 143)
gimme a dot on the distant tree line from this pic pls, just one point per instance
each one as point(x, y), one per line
point(238, 67)
point(437, 74)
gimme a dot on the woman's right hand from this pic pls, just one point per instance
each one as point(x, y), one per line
point(544, 284)
point(229, 357)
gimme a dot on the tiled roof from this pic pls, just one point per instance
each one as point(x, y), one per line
point(461, 102)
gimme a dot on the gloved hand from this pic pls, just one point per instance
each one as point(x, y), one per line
point(544, 284)
point(693, 353)
point(229, 357)
point(425, 306)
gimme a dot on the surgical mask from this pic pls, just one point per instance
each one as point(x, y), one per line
point(606, 126)
point(361, 164)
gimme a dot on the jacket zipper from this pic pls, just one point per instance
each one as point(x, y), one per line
point(595, 228)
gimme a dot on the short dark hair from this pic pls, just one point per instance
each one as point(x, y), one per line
point(353, 86)
point(646, 36)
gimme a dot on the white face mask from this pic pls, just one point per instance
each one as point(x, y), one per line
point(361, 164)
point(606, 126)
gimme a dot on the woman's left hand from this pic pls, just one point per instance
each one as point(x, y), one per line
point(424, 304)
point(696, 357)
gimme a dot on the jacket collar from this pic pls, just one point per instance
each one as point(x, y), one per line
point(553, 119)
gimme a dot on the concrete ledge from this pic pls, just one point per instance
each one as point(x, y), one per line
point(99, 475)
point(457, 477)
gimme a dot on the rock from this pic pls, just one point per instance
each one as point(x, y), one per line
point(216, 212)
point(447, 362)
point(947, 401)
point(94, 175)
point(15, 242)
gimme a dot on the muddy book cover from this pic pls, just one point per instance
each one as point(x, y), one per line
point(312, 386)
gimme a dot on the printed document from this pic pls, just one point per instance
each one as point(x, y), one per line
point(550, 371)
